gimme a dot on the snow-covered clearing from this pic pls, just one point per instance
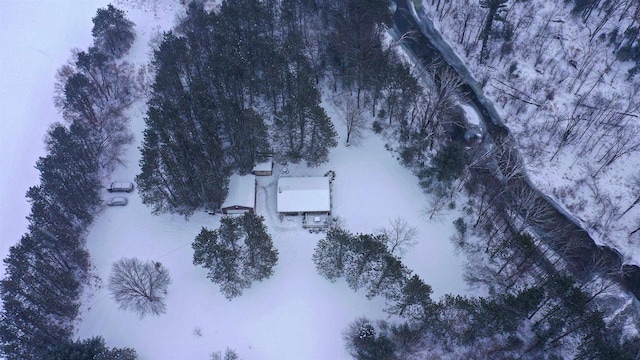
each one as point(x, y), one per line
point(296, 314)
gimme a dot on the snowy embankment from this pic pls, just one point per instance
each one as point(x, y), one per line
point(596, 199)
point(296, 314)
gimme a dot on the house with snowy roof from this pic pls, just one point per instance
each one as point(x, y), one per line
point(307, 196)
point(242, 195)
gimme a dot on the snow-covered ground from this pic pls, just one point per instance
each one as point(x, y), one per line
point(36, 38)
point(295, 314)
point(533, 85)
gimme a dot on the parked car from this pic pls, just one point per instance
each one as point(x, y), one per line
point(120, 187)
point(117, 201)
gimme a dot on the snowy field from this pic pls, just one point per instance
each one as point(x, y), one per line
point(35, 40)
point(295, 314)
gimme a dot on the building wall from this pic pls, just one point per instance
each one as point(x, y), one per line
point(236, 210)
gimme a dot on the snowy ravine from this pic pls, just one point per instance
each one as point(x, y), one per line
point(491, 115)
point(597, 204)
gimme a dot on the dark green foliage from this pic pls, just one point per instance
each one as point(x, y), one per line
point(414, 302)
point(204, 122)
point(219, 251)
point(302, 130)
point(333, 253)
point(461, 226)
point(449, 162)
point(493, 6)
point(363, 260)
point(112, 31)
point(93, 348)
point(628, 47)
point(236, 254)
point(376, 127)
point(45, 270)
point(364, 343)
point(259, 256)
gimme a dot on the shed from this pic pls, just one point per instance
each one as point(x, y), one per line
point(304, 195)
point(264, 168)
point(242, 195)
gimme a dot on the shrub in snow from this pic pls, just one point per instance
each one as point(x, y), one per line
point(229, 354)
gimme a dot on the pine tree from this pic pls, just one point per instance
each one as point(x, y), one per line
point(333, 253)
point(112, 32)
point(238, 253)
point(219, 251)
point(259, 256)
point(414, 302)
point(92, 348)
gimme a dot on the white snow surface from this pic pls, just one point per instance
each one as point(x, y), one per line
point(295, 314)
point(303, 194)
point(242, 191)
point(264, 166)
point(36, 38)
point(471, 114)
point(550, 37)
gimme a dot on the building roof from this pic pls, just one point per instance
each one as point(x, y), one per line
point(242, 191)
point(264, 166)
point(304, 194)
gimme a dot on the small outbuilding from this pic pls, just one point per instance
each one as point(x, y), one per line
point(242, 195)
point(264, 168)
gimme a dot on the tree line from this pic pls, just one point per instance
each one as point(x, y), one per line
point(529, 321)
point(47, 269)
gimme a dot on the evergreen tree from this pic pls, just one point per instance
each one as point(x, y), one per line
point(414, 301)
point(112, 32)
point(302, 130)
point(92, 348)
point(332, 254)
point(364, 343)
point(449, 162)
point(238, 253)
point(219, 251)
point(260, 256)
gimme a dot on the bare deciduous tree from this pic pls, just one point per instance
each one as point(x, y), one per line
point(400, 236)
point(439, 201)
point(139, 286)
point(353, 118)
